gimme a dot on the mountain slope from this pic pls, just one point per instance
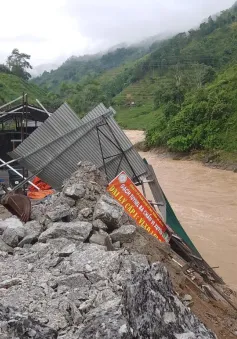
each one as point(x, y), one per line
point(182, 90)
point(77, 69)
point(11, 87)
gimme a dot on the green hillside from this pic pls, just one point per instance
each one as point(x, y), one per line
point(11, 87)
point(84, 68)
point(182, 91)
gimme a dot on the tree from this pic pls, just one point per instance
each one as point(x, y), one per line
point(18, 64)
point(4, 69)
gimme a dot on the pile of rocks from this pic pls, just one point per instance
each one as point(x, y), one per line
point(67, 273)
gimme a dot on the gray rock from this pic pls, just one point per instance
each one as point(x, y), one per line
point(4, 247)
point(86, 212)
point(73, 281)
point(14, 232)
point(95, 262)
point(187, 297)
point(37, 212)
point(99, 225)
point(75, 191)
point(82, 290)
point(33, 227)
point(78, 231)
point(117, 245)
point(16, 325)
point(123, 234)
point(151, 289)
point(102, 238)
point(3, 226)
point(73, 214)
point(10, 282)
point(109, 211)
point(29, 239)
point(66, 200)
point(67, 250)
point(58, 212)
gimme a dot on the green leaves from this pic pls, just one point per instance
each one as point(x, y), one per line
point(18, 64)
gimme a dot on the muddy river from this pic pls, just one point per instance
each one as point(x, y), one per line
point(205, 202)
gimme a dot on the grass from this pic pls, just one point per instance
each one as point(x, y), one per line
point(12, 87)
point(140, 118)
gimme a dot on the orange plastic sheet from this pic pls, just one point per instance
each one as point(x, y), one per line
point(40, 194)
point(44, 191)
point(39, 183)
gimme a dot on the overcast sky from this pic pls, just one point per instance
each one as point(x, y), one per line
point(52, 30)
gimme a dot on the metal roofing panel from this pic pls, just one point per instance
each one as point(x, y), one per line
point(58, 124)
point(56, 156)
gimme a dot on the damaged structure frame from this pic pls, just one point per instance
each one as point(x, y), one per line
point(53, 151)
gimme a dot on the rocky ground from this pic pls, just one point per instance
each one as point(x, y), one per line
point(81, 269)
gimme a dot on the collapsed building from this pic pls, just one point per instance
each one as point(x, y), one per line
point(84, 264)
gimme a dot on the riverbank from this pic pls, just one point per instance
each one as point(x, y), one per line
point(214, 159)
point(205, 202)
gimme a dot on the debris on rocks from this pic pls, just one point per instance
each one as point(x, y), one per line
point(81, 269)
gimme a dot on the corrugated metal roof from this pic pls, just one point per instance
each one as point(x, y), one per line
point(57, 146)
point(33, 113)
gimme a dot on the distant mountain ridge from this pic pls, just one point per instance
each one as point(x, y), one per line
point(75, 68)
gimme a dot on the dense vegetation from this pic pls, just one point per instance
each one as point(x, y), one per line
point(85, 68)
point(182, 90)
point(17, 64)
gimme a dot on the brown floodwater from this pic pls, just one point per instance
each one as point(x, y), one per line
point(205, 201)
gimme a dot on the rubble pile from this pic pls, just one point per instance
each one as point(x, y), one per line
point(72, 272)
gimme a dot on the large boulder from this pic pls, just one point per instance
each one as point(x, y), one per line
point(78, 231)
point(14, 232)
point(108, 211)
point(151, 289)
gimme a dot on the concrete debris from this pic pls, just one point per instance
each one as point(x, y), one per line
point(77, 272)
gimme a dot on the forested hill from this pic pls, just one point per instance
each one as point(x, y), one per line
point(83, 69)
point(11, 87)
point(183, 91)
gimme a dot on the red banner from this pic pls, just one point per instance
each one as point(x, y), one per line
point(136, 205)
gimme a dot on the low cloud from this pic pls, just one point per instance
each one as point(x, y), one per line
point(52, 30)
